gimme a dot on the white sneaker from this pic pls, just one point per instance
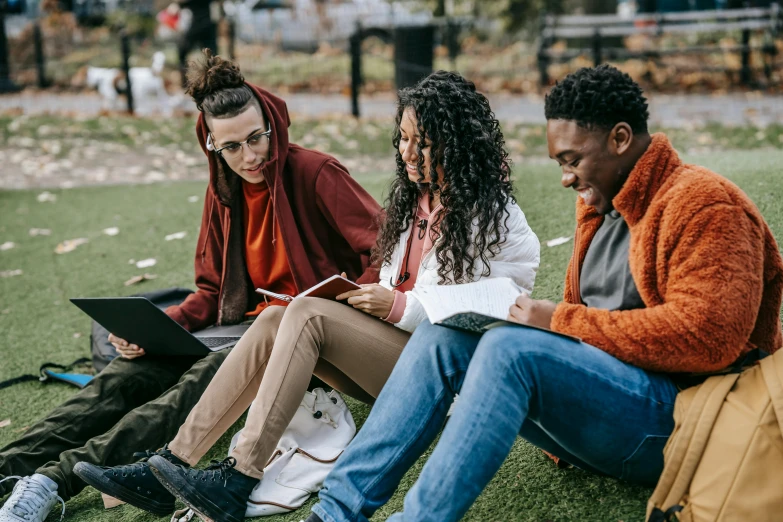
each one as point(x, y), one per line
point(31, 500)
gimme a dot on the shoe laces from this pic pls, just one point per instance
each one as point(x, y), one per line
point(217, 470)
point(139, 467)
point(30, 497)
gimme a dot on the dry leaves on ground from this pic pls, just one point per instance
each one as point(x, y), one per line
point(558, 241)
point(176, 235)
point(69, 245)
point(139, 278)
point(146, 263)
point(46, 197)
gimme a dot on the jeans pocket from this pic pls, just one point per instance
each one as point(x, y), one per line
point(645, 464)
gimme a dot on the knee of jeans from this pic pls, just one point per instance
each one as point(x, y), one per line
point(521, 347)
point(435, 343)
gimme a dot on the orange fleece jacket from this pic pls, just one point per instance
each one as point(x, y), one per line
point(704, 261)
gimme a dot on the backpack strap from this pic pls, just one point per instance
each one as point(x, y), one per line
point(683, 458)
point(45, 375)
point(772, 371)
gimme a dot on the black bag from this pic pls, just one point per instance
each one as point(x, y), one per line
point(103, 351)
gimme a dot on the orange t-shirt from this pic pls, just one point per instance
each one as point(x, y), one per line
point(267, 263)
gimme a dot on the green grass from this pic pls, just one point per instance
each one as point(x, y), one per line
point(38, 324)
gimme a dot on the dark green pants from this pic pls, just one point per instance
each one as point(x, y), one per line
point(130, 406)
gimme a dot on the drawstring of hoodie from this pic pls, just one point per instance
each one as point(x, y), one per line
point(209, 225)
point(274, 217)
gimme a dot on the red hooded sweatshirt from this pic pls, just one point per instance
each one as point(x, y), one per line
point(327, 220)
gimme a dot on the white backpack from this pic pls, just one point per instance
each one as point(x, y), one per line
point(317, 435)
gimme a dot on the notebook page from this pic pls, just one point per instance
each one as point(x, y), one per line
point(491, 297)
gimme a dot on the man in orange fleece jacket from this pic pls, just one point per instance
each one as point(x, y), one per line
point(674, 272)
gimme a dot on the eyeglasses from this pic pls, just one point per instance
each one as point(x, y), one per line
point(258, 142)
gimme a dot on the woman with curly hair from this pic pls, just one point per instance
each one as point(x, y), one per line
point(450, 218)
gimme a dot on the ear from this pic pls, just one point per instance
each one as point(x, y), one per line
point(620, 138)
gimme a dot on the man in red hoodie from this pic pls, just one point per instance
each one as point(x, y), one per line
point(276, 215)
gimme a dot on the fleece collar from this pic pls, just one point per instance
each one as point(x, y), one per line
point(649, 174)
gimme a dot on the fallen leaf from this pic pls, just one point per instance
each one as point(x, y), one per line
point(111, 231)
point(176, 235)
point(139, 278)
point(11, 273)
point(146, 263)
point(4, 423)
point(8, 245)
point(155, 175)
point(40, 232)
point(46, 196)
point(557, 241)
point(69, 245)
point(194, 199)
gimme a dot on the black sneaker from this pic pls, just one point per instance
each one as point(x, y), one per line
point(217, 494)
point(133, 483)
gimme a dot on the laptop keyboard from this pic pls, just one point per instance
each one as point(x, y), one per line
point(211, 342)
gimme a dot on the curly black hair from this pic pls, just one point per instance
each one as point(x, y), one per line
point(465, 138)
point(598, 97)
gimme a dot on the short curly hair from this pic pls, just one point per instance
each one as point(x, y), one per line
point(598, 98)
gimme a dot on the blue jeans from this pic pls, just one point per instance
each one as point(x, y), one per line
point(566, 397)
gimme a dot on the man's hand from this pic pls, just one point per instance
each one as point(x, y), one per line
point(531, 311)
point(373, 299)
point(128, 351)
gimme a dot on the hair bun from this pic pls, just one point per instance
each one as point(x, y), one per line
point(211, 74)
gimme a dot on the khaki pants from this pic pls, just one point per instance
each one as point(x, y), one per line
point(272, 365)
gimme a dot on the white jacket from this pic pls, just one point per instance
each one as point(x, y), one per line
point(518, 259)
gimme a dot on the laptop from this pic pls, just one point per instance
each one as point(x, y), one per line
point(140, 322)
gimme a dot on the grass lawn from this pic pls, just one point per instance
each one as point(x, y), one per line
point(39, 324)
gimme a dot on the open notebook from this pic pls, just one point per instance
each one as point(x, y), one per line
point(326, 289)
point(473, 307)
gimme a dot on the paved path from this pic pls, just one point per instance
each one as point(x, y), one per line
point(665, 110)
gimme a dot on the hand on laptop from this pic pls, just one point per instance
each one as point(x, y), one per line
point(534, 312)
point(126, 350)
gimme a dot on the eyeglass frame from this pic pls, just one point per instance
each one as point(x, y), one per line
point(267, 133)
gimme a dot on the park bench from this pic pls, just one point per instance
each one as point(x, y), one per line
point(593, 32)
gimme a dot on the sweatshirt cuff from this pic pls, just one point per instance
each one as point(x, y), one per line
point(562, 319)
point(398, 308)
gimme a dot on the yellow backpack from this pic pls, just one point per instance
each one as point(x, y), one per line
point(724, 460)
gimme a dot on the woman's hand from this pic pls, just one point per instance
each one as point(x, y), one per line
point(531, 311)
point(373, 299)
point(128, 351)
